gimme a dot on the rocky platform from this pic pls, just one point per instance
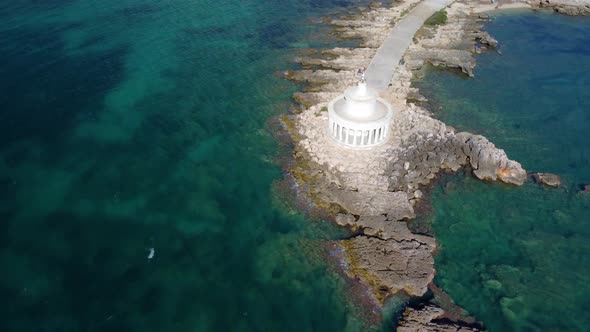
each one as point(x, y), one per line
point(427, 319)
point(374, 192)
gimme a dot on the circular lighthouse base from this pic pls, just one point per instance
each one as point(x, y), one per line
point(358, 129)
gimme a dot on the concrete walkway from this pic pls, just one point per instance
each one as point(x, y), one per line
point(382, 68)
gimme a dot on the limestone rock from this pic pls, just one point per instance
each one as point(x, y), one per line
point(424, 320)
point(394, 265)
point(485, 38)
point(310, 98)
point(374, 226)
point(399, 206)
point(395, 204)
point(418, 194)
point(380, 227)
point(547, 179)
point(461, 59)
point(489, 162)
point(568, 7)
point(512, 173)
point(345, 220)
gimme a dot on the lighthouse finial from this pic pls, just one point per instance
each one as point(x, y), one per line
point(361, 72)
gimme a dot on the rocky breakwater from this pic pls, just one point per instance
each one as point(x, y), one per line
point(374, 192)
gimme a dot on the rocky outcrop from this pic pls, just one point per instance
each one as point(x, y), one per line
point(489, 162)
point(371, 26)
point(403, 262)
point(381, 227)
point(548, 179)
point(373, 192)
point(427, 319)
point(452, 45)
point(393, 204)
point(461, 59)
point(339, 58)
point(568, 7)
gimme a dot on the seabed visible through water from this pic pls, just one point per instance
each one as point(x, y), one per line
point(517, 258)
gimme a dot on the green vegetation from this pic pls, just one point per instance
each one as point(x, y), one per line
point(438, 18)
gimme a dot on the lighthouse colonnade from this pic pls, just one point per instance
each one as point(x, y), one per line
point(359, 118)
point(358, 135)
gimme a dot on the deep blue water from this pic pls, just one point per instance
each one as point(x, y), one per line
point(518, 258)
point(130, 125)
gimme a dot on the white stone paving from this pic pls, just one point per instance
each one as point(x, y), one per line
point(382, 68)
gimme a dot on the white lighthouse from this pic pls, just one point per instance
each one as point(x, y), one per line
point(359, 118)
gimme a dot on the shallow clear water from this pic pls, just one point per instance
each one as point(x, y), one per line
point(130, 125)
point(517, 258)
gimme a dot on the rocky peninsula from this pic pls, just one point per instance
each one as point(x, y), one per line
point(374, 192)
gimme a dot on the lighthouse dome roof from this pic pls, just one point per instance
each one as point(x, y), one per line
point(360, 93)
point(360, 104)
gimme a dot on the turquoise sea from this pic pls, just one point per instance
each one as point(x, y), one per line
point(127, 126)
point(519, 258)
point(136, 129)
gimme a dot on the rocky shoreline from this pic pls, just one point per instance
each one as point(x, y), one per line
point(374, 192)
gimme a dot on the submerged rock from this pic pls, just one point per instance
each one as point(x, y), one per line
point(547, 179)
point(427, 319)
